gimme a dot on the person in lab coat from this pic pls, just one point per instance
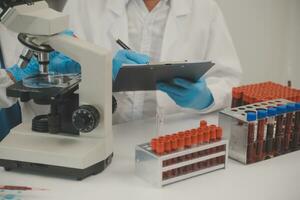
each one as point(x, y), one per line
point(162, 30)
point(157, 30)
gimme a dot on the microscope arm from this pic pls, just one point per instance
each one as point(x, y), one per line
point(96, 72)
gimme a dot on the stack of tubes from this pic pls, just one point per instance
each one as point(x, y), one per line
point(204, 134)
point(260, 92)
point(273, 132)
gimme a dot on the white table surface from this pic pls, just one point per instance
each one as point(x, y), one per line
point(274, 179)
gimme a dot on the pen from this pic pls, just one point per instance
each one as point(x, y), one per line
point(122, 44)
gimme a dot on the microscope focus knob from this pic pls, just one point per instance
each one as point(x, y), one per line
point(86, 118)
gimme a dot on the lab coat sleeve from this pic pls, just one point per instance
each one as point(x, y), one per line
point(227, 70)
point(5, 81)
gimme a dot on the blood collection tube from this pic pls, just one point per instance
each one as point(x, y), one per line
point(174, 146)
point(213, 135)
point(194, 135)
point(219, 133)
point(279, 129)
point(206, 135)
point(188, 144)
point(203, 124)
point(19, 188)
point(168, 147)
point(161, 138)
point(245, 100)
point(188, 139)
point(200, 139)
point(288, 125)
point(261, 117)
point(200, 135)
point(153, 144)
point(180, 144)
point(270, 131)
point(237, 96)
point(234, 97)
point(181, 140)
point(296, 134)
point(165, 175)
point(219, 138)
point(213, 138)
point(160, 149)
point(251, 118)
point(195, 167)
point(174, 142)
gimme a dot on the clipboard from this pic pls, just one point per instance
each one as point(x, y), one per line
point(145, 77)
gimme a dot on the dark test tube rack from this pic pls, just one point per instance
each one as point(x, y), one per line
point(256, 139)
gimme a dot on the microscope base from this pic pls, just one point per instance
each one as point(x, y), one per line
point(67, 156)
point(78, 174)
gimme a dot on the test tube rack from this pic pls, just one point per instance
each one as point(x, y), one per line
point(253, 140)
point(197, 156)
point(260, 92)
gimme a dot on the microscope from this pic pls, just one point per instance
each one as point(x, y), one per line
point(75, 138)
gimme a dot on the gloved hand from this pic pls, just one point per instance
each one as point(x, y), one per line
point(69, 33)
point(188, 94)
point(127, 57)
point(18, 73)
point(59, 63)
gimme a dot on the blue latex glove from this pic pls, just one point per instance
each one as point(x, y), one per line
point(59, 63)
point(188, 94)
point(69, 33)
point(18, 73)
point(127, 57)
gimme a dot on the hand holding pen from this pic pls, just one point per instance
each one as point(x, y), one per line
point(127, 57)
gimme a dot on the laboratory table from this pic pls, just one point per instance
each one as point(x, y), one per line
point(274, 179)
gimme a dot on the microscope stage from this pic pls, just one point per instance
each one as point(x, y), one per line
point(25, 93)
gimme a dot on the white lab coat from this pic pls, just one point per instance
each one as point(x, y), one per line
point(195, 30)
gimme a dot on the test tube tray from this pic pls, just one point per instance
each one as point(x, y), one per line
point(154, 168)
